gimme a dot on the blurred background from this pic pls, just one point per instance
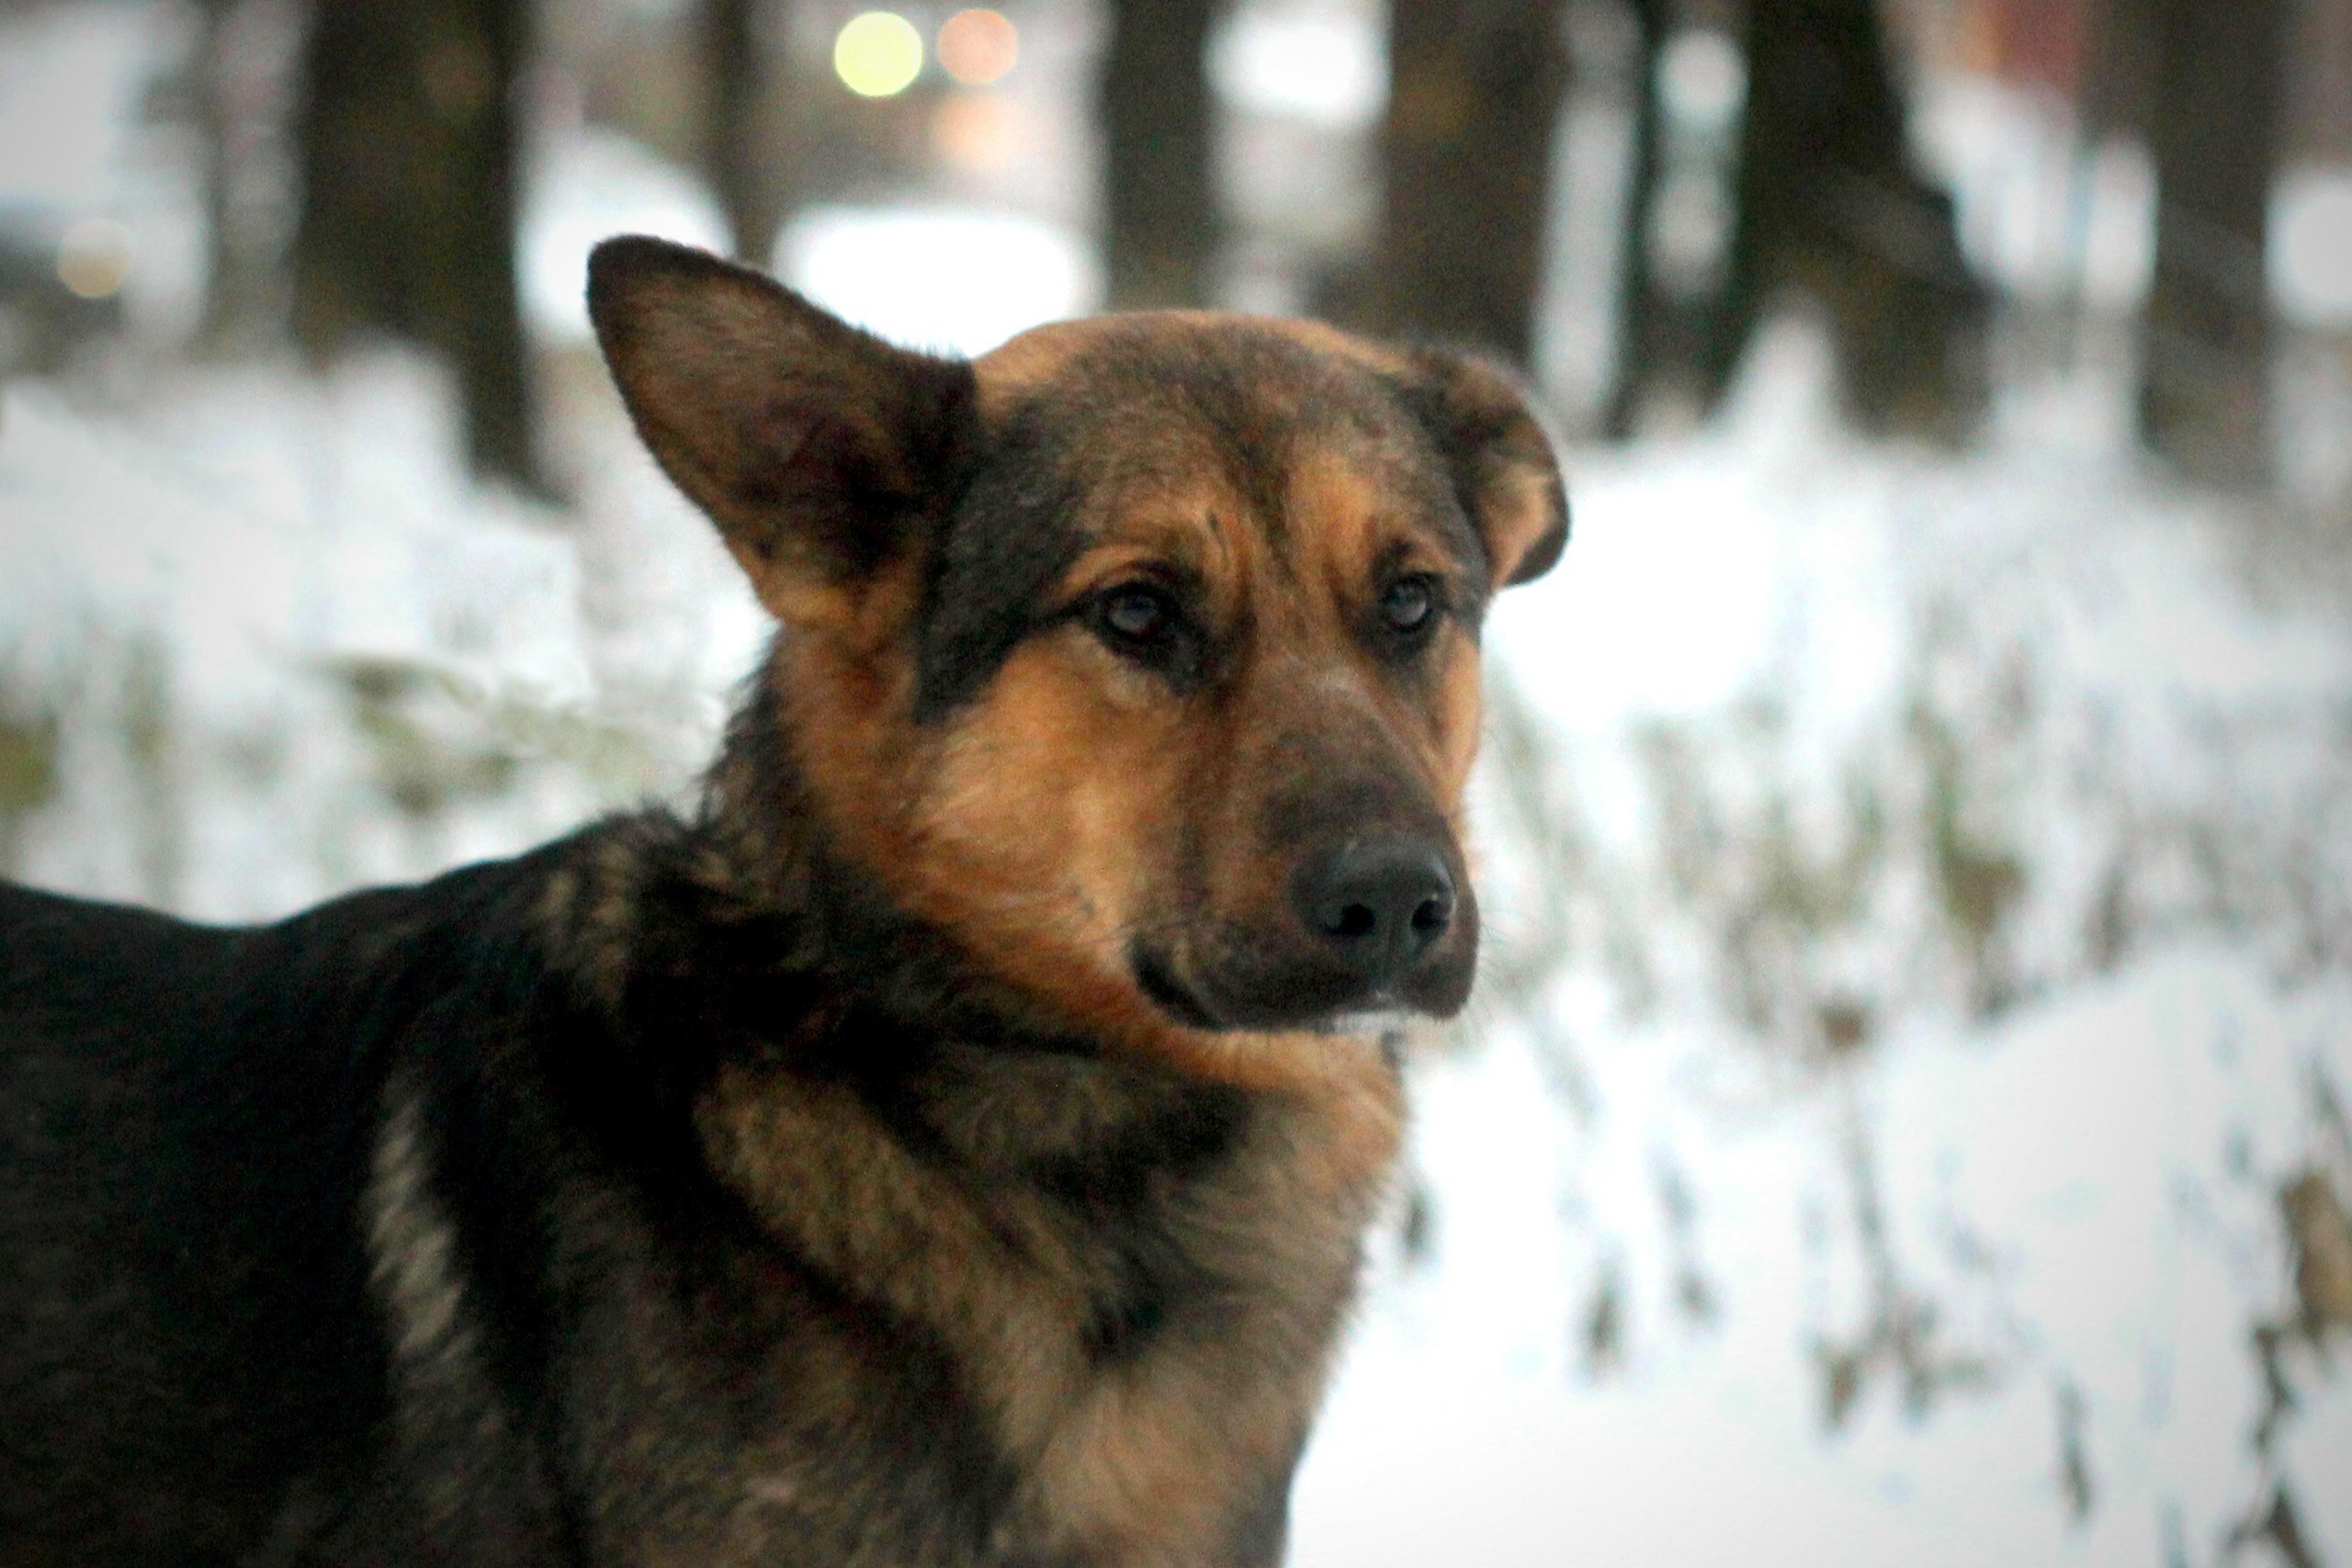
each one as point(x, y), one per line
point(1905, 1117)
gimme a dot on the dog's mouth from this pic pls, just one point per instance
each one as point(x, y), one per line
point(1156, 976)
point(1307, 998)
point(1374, 1023)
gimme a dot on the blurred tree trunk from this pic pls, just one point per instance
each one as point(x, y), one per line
point(408, 152)
point(1827, 196)
point(2214, 135)
point(1474, 88)
point(1636, 288)
point(231, 295)
point(1159, 198)
point(733, 81)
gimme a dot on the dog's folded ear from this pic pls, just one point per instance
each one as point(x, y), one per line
point(1502, 463)
point(816, 447)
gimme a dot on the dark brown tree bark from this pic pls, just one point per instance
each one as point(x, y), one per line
point(1827, 198)
point(1474, 88)
point(409, 146)
point(2214, 135)
point(1636, 288)
point(733, 80)
point(1160, 206)
point(231, 290)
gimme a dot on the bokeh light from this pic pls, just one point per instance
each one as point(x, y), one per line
point(877, 55)
point(978, 47)
point(981, 133)
point(93, 258)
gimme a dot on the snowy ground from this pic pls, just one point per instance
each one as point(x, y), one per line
point(2004, 1182)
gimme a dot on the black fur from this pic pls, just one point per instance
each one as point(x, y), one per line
point(194, 1365)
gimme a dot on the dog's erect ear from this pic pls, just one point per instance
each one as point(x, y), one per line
point(815, 446)
point(1502, 462)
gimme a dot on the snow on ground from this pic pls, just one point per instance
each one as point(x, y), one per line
point(2081, 1184)
point(278, 647)
point(879, 268)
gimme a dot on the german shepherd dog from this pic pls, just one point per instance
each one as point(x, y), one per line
point(950, 1146)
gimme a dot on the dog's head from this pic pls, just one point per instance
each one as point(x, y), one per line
point(1139, 655)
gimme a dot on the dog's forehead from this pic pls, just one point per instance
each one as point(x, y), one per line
point(1155, 412)
point(1173, 432)
point(1099, 353)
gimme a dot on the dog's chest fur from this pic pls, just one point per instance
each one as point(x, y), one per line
point(947, 1298)
point(1138, 1279)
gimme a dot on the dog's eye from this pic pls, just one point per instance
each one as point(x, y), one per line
point(1146, 622)
point(1134, 613)
point(1408, 604)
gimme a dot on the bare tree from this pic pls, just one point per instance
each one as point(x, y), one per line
point(733, 81)
point(1159, 203)
point(1636, 288)
point(1475, 89)
point(1828, 197)
point(408, 138)
point(2214, 133)
point(237, 81)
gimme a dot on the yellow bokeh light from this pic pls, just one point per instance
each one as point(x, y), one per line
point(877, 53)
point(93, 258)
point(978, 47)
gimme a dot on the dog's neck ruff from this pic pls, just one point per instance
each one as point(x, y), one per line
point(1137, 1269)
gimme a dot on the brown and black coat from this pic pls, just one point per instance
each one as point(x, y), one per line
point(944, 1147)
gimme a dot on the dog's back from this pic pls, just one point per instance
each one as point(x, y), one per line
point(385, 1235)
point(186, 1121)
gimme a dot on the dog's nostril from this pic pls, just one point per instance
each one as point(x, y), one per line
point(1377, 904)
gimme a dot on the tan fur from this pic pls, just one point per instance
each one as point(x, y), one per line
point(1031, 825)
point(416, 1274)
point(436, 1361)
point(1127, 1463)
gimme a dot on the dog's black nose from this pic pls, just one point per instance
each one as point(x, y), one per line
point(1376, 905)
